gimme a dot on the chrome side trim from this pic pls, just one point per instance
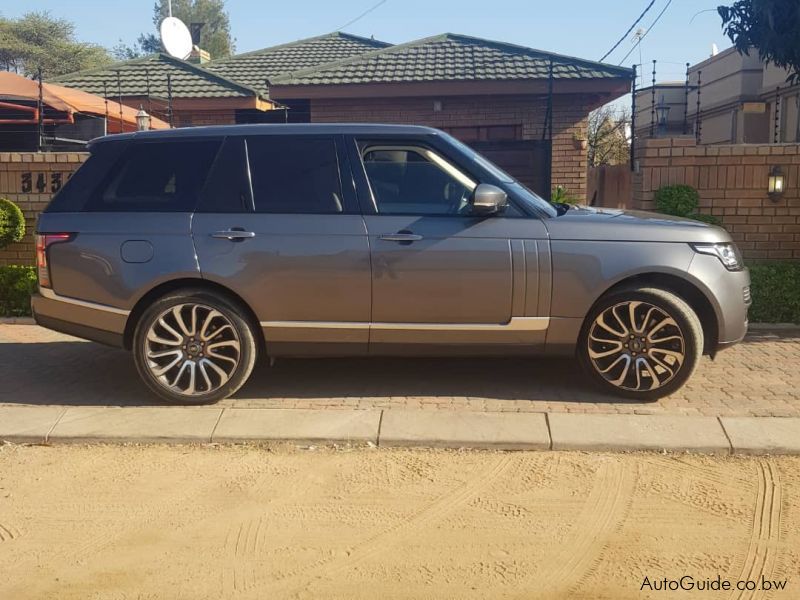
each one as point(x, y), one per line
point(515, 324)
point(313, 325)
point(51, 295)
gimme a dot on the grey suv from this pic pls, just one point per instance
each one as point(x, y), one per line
point(200, 249)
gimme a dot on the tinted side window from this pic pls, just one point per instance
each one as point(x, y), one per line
point(158, 177)
point(227, 188)
point(79, 188)
point(294, 175)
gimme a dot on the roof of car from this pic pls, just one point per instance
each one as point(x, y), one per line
point(275, 129)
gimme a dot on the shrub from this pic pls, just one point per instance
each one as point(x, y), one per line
point(560, 195)
point(682, 201)
point(12, 223)
point(776, 292)
point(16, 286)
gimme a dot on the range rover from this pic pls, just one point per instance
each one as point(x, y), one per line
point(203, 249)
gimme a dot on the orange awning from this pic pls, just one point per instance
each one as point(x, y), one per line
point(71, 101)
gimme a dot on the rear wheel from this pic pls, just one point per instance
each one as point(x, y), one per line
point(194, 347)
point(641, 343)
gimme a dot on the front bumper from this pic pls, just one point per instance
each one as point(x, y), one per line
point(95, 322)
point(729, 294)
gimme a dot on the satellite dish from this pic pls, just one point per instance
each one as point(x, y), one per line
point(176, 38)
point(714, 50)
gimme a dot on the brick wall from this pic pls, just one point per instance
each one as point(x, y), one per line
point(29, 179)
point(526, 113)
point(732, 182)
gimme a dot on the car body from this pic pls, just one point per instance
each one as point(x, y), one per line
point(347, 240)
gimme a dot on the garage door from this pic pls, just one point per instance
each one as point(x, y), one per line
point(526, 160)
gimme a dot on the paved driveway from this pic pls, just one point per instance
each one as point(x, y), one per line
point(760, 377)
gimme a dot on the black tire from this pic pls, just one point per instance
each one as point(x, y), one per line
point(653, 358)
point(228, 329)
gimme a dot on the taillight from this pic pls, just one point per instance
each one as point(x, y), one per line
point(43, 242)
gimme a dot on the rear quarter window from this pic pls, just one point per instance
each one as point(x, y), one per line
point(78, 189)
point(162, 176)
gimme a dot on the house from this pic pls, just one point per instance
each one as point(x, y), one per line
point(492, 95)
point(526, 109)
point(731, 98)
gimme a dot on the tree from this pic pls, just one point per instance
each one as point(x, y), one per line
point(145, 44)
point(770, 26)
point(608, 137)
point(215, 36)
point(38, 40)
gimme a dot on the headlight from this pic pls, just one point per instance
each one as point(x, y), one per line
point(727, 253)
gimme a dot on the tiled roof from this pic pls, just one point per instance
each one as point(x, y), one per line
point(188, 80)
point(450, 57)
point(254, 68)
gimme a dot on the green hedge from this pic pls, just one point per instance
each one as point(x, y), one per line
point(16, 286)
point(12, 223)
point(776, 292)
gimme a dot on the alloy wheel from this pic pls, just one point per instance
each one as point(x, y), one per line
point(192, 349)
point(636, 346)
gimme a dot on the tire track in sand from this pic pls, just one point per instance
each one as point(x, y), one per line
point(8, 533)
point(705, 473)
point(563, 570)
point(244, 541)
point(762, 549)
point(316, 573)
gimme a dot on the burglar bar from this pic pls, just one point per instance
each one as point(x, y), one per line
point(40, 111)
point(686, 103)
point(633, 119)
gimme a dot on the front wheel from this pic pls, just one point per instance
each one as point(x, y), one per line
point(194, 347)
point(641, 343)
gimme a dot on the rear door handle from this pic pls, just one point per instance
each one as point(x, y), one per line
point(234, 235)
point(401, 237)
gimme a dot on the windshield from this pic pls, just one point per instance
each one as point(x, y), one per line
point(521, 192)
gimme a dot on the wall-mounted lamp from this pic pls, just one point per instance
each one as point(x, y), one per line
point(777, 183)
point(142, 119)
point(662, 109)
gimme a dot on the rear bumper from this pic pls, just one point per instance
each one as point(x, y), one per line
point(95, 322)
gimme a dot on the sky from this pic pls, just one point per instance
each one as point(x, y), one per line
point(582, 28)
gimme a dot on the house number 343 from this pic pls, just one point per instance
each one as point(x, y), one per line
point(41, 183)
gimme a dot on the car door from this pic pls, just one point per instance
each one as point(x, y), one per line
point(277, 226)
point(440, 274)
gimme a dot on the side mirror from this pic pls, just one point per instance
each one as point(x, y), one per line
point(488, 199)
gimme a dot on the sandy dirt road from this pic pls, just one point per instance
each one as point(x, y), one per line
point(103, 522)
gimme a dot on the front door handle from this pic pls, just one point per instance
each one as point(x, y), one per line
point(234, 235)
point(401, 237)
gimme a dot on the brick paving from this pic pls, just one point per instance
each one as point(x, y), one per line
point(760, 377)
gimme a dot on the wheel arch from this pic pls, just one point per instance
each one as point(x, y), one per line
point(682, 287)
point(189, 283)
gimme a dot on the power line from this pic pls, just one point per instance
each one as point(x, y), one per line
point(649, 29)
point(624, 37)
point(362, 15)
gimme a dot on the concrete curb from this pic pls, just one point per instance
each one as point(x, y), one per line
point(17, 321)
point(504, 431)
